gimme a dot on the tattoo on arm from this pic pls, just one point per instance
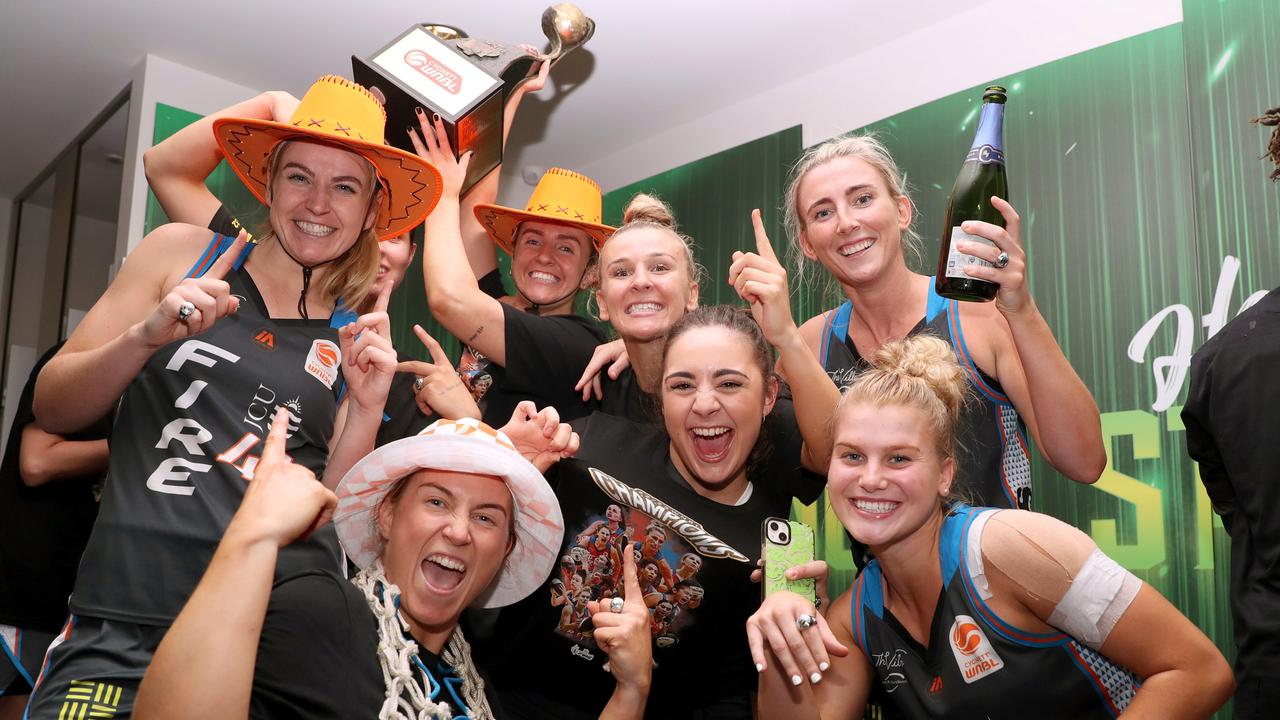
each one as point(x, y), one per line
point(475, 334)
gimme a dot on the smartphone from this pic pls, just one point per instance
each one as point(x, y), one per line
point(786, 543)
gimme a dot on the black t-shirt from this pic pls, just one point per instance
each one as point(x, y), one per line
point(696, 557)
point(402, 417)
point(545, 357)
point(318, 654)
point(44, 529)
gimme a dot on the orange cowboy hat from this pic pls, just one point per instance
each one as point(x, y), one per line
point(562, 196)
point(338, 112)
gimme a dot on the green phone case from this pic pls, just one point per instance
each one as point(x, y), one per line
point(786, 543)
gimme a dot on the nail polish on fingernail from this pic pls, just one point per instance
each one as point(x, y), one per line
point(435, 116)
point(796, 680)
point(815, 678)
point(759, 667)
point(420, 111)
point(823, 666)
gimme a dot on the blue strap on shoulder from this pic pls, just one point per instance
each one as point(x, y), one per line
point(936, 304)
point(837, 324)
point(213, 251)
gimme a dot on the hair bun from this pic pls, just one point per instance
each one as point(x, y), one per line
point(930, 359)
point(648, 209)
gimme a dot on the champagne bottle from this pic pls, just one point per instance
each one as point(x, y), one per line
point(981, 176)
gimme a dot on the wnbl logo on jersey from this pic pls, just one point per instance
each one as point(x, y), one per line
point(323, 361)
point(974, 654)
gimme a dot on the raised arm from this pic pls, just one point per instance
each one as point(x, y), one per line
point(1056, 573)
point(762, 281)
point(453, 293)
point(204, 667)
point(177, 167)
point(481, 252)
point(135, 317)
point(368, 366)
point(1057, 407)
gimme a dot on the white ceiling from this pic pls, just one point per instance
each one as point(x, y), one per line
point(652, 64)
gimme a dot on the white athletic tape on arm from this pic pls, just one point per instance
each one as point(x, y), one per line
point(1098, 596)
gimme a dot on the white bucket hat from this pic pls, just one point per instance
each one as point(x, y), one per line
point(467, 446)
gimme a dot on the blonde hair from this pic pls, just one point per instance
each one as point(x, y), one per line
point(866, 147)
point(648, 211)
point(352, 275)
point(918, 372)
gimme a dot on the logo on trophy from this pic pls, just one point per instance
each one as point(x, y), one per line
point(463, 79)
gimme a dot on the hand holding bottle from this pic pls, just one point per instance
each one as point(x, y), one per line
point(1007, 257)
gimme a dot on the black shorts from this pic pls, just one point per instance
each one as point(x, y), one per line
point(21, 655)
point(94, 669)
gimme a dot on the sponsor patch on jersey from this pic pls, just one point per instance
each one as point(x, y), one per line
point(975, 656)
point(323, 361)
point(265, 339)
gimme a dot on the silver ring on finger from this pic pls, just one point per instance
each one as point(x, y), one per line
point(806, 621)
point(186, 309)
point(1002, 260)
point(616, 604)
point(418, 383)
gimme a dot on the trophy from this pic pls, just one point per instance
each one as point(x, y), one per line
point(463, 79)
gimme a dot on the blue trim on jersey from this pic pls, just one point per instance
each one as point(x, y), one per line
point(837, 323)
point(957, 336)
point(451, 683)
point(951, 541)
point(14, 656)
point(1108, 702)
point(935, 303)
point(214, 250)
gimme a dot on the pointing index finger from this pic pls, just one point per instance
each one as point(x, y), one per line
point(228, 258)
point(384, 298)
point(763, 247)
point(631, 590)
point(273, 451)
point(437, 353)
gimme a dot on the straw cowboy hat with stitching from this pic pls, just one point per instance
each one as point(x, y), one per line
point(562, 196)
point(339, 112)
point(467, 446)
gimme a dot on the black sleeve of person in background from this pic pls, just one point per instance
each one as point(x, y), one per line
point(224, 223)
point(1197, 416)
point(317, 655)
point(546, 355)
point(782, 471)
point(491, 284)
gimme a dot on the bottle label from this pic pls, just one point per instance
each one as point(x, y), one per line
point(958, 261)
point(986, 155)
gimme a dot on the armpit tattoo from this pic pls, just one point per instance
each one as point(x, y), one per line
point(475, 334)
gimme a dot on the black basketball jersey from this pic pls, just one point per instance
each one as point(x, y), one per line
point(187, 438)
point(993, 461)
point(977, 665)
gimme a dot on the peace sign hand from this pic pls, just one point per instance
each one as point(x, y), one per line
point(194, 304)
point(438, 389)
point(761, 280)
point(284, 502)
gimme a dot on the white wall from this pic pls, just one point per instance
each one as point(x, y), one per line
point(990, 40)
point(157, 80)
